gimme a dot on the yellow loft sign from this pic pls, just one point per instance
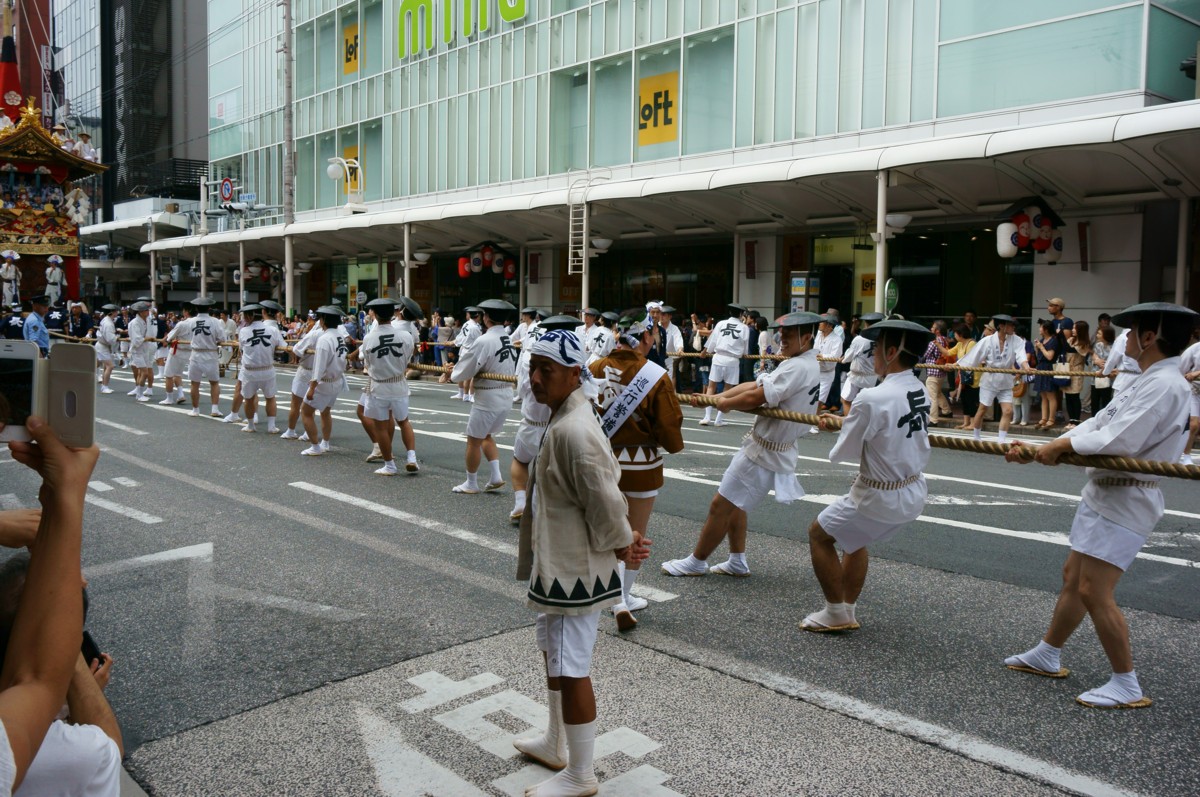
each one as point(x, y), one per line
point(658, 112)
point(417, 16)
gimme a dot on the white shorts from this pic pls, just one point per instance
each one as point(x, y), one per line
point(640, 494)
point(141, 359)
point(103, 356)
point(1100, 538)
point(264, 383)
point(300, 383)
point(986, 396)
point(746, 483)
point(324, 396)
point(176, 365)
point(1196, 405)
point(161, 353)
point(851, 389)
point(852, 530)
point(203, 370)
point(8, 765)
point(826, 383)
point(484, 423)
point(377, 407)
point(568, 641)
point(725, 374)
point(528, 441)
point(362, 398)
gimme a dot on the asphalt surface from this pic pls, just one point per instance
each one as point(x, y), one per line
point(268, 613)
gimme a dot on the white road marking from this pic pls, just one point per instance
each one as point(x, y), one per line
point(99, 487)
point(121, 426)
point(201, 551)
point(10, 501)
point(400, 769)
point(649, 593)
point(125, 481)
point(290, 604)
point(120, 509)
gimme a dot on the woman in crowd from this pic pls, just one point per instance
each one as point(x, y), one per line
point(1079, 350)
point(766, 345)
point(1102, 389)
point(967, 392)
point(1048, 348)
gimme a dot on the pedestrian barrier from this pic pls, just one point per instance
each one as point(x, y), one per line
point(1128, 464)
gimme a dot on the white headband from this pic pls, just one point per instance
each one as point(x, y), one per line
point(563, 346)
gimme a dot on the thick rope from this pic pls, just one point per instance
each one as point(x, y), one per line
point(977, 369)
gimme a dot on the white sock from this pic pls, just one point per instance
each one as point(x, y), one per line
point(1003, 436)
point(581, 744)
point(1043, 656)
point(720, 416)
point(216, 409)
point(390, 464)
point(472, 481)
point(628, 579)
point(551, 746)
point(271, 422)
point(1122, 687)
point(412, 455)
point(739, 559)
point(494, 464)
point(850, 609)
point(518, 499)
point(977, 434)
point(708, 413)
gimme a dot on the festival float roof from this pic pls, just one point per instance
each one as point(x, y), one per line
point(27, 145)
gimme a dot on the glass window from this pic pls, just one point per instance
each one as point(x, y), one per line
point(348, 38)
point(969, 17)
point(657, 103)
point(924, 57)
point(612, 112)
point(785, 59)
point(807, 30)
point(708, 92)
point(1171, 40)
point(305, 169)
point(850, 73)
point(899, 62)
point(874, 48)
point(568, 120)
point(764, 80)
point(1078, 57)
point(371, 36)
point(744, 112)
point(1189, 8)
point(827, 67)
point(327, 61)
point(374, 166)
point(326, 193)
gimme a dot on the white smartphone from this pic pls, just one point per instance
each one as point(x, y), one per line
point(61, 389)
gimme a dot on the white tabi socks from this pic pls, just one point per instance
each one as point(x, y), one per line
point(708, 413)
point(1002, 436)
point(1045, 658)
point(549, 749)
point(1121, 691)
point(579, 778)
point(518, 504)
point(495, 477)
point(977, 434)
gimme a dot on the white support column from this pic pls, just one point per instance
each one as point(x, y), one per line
point(380, 268)
point(153, 268)
point(225, 288)
point(407, 259)
point(737, 271)
point(203, 270)
point(241, 269)
point(881, 210)
point(521, 291)
point(1181, 252)
point(289, 276)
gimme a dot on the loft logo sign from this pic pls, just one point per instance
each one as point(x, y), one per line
point(658, 109)
point(417, 17)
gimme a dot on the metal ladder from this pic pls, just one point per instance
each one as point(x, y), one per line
point(577, 226)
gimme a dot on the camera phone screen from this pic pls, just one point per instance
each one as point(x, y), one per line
point(16, 391)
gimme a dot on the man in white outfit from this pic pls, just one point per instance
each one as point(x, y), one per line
point(179, 355)
point(258, 341)
point(141, 351)
point(860, 356)
point(106, 345)
point(492, 353)
point(467, 335)
point(727, 343)
point(674, 336)
point(207, 336)
point(10, 277)
point(327, 379)
point(1189, 366)
point(829, 347)
point(386, 351)
point(1001, 350)
point(56, 279)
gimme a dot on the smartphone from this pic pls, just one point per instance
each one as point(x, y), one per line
point(90, 650)
point(61, 389)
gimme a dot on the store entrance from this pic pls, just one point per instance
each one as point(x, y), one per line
point(836, 289)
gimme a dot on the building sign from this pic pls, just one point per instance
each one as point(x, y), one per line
point(416, 23)
point(833, 251)
point(867, 285)
point(352, 184)
point(658, 109)
point(350, 49)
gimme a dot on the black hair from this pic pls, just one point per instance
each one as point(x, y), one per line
point(1174, 330)
point(384, 313)
point(893, 337)
point(761, 324)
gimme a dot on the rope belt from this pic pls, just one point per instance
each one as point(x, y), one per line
point(535, 423)
point(493, 387)
point(878, 485)
point(389, 380)
point(330, 379)
point(258, 367)
point(1113, 481)
point(770, 445)
point(302, 371)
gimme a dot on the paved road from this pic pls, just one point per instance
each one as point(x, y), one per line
point(284, 624)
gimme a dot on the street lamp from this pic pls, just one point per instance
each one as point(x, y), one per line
point(347, 169)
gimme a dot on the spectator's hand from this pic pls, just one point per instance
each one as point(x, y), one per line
point(19, 527)
point(65, 471)
point(101, 669)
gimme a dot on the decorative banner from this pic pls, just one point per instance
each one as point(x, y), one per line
point(658, 109)
point(351, 153)
point(350, 49)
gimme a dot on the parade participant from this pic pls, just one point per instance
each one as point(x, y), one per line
point(386, 351)
point(672, 339)
point(106, 345)
point(179, 354)
point(527, 322)
point(534, 415)
point(34, 328)
point(1004, 349)
point(56, 279)
point(1189, 366)
point(1119, 366)
point(861, 359)
point(491, 353)
point(258, 341)
point(303, 351)
point(141, 351)
point(326, 382)
point(727, 343)
point(828, 346)
point(84, 148)
point(597, 341)
point(231, 332)
point(56, 319)
point(407, 314)
point(886, 431)
point(767, 458)
point(1117, 512)
point(122, 324)
point(160, 327)
point(372, 322)
point(79, 322)
point(14, 325)
point(639, 413)
point(10, 277)
point(570, 543)
point(468, 333)
point(658, 352)
point(207, 336)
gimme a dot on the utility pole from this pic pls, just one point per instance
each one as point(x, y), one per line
point(289, 163)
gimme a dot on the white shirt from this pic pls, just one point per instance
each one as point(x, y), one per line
point(520, 332)
point(860, 356)
point(9, 271)
point(329, 363)
point(728, 341)
point(1190, 361)
point(207, 334)
point(54, 276)
point(1149, 420)
point(386, 351)
point(492, 353)
point(303, 349)
point(182, 332)
point(793, 386)
point(828, 346)
point(990, 354)
point(258, 342)
point(1118, 360)
point(674, 340)
point(531, 409)
point(886, 432)
point(76, 760)
point(468, 333)
point(138, 329)
point(106, 337)
point(598, 342)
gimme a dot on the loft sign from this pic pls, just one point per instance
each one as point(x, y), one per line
point(417, 23)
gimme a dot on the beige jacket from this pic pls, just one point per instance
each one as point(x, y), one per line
point(577, 517)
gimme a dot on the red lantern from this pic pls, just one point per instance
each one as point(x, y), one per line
point(1045, 236)
point(464, 267)
point(487, 252)
point(1024, 229)
point(510, 269)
